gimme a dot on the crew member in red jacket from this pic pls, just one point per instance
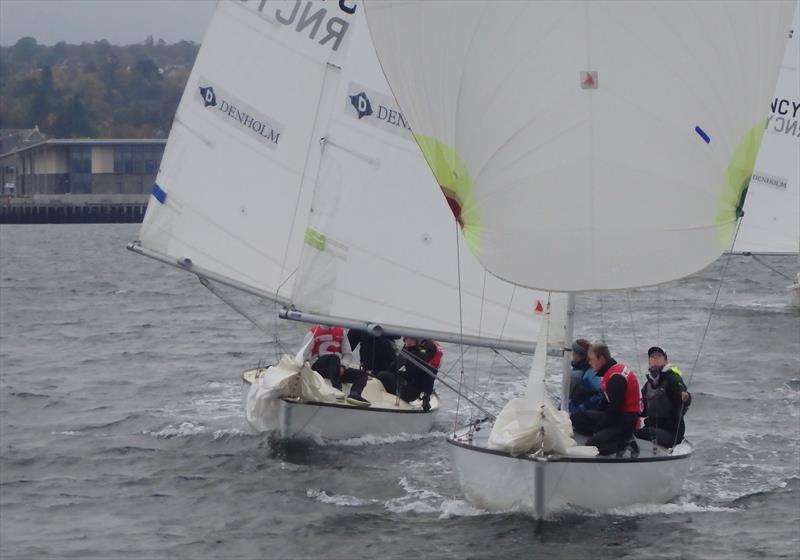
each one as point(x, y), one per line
point(611, 430)
point(328, 351)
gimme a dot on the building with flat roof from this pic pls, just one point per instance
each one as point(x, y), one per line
point(82, 166)
point(78, 180)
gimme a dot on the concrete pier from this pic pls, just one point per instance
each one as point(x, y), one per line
point(84, 209)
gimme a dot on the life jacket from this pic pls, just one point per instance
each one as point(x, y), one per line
point(327, 340)
point(657, 400)
point(436, 360)
point(632, 402)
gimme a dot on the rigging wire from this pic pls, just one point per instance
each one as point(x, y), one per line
point(474, 389)
point(658, 315)
point(602, 319)
point(279, 350)
point(727, 261)
point(772, 268)
point(633, 329)
point(490, 377)
point(460, 326)
point(426, 367)
point(207, 283)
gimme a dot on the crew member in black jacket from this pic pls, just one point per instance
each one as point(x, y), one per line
point(406, 377)
point(376, 353)
point(665, 399)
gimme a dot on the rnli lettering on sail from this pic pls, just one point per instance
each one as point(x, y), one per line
point(239, 114)
point(323, 23)
point(376, 109)
point(785, 117)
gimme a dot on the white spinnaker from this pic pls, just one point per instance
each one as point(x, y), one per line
point(382, 243)
point(235, 169)
point(590, 145)
point(771, 222)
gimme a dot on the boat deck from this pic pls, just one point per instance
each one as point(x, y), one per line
point(647, 451)
point(374, 392)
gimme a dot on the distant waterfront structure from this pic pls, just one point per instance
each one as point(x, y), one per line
point(77, 180)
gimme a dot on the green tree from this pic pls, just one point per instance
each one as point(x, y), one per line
point(73, 120)
point(43, 100)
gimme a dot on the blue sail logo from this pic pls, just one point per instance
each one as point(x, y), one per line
point(362, 105)
point(209, 98)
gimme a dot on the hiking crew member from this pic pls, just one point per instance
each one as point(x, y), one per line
point(376, 353)
point(328, 350)
point(584, 389)
point(611, 431)
point(665, 399)
point(409, 380)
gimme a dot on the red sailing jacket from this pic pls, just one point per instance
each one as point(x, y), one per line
point(436, 361)
point(632, 402)
point(327, 340)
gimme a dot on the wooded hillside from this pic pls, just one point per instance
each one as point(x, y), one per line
point(93, 89)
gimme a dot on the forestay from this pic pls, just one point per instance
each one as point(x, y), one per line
point(587, 145)
point(334, 211)
point(771, 221)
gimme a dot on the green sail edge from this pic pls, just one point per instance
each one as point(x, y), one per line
point(456, 182)
point(737, 180)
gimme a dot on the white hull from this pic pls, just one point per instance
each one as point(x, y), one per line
point(794, 293)
point(388, 416)
point(541, 486)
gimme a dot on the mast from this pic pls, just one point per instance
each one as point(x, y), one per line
point(567, 355)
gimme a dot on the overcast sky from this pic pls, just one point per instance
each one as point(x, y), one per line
point(121, 22)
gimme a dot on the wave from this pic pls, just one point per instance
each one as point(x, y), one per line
point(665, 509)
point(337, 499)
point(132, 416)
point(770, 489)
point(417, 506)
point(27, 395)
point(459, 508)
point(382, 440)
point(229, 433)
point(184, 429)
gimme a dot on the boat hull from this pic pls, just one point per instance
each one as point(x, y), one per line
point(541, 486)
point(388, 416)
point(335, 421)
point(794, 293)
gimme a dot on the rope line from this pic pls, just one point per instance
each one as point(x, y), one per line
point(772, 268)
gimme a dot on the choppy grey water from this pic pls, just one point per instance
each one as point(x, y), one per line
point(122, 431)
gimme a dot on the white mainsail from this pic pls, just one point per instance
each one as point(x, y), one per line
point(771, 221)
point(328, 206)
point(588, 145)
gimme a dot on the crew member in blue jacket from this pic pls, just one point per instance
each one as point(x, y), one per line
point(584, 391)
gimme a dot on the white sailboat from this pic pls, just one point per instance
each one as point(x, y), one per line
point(771, 221)
point(589, 146)
point(291, 174)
